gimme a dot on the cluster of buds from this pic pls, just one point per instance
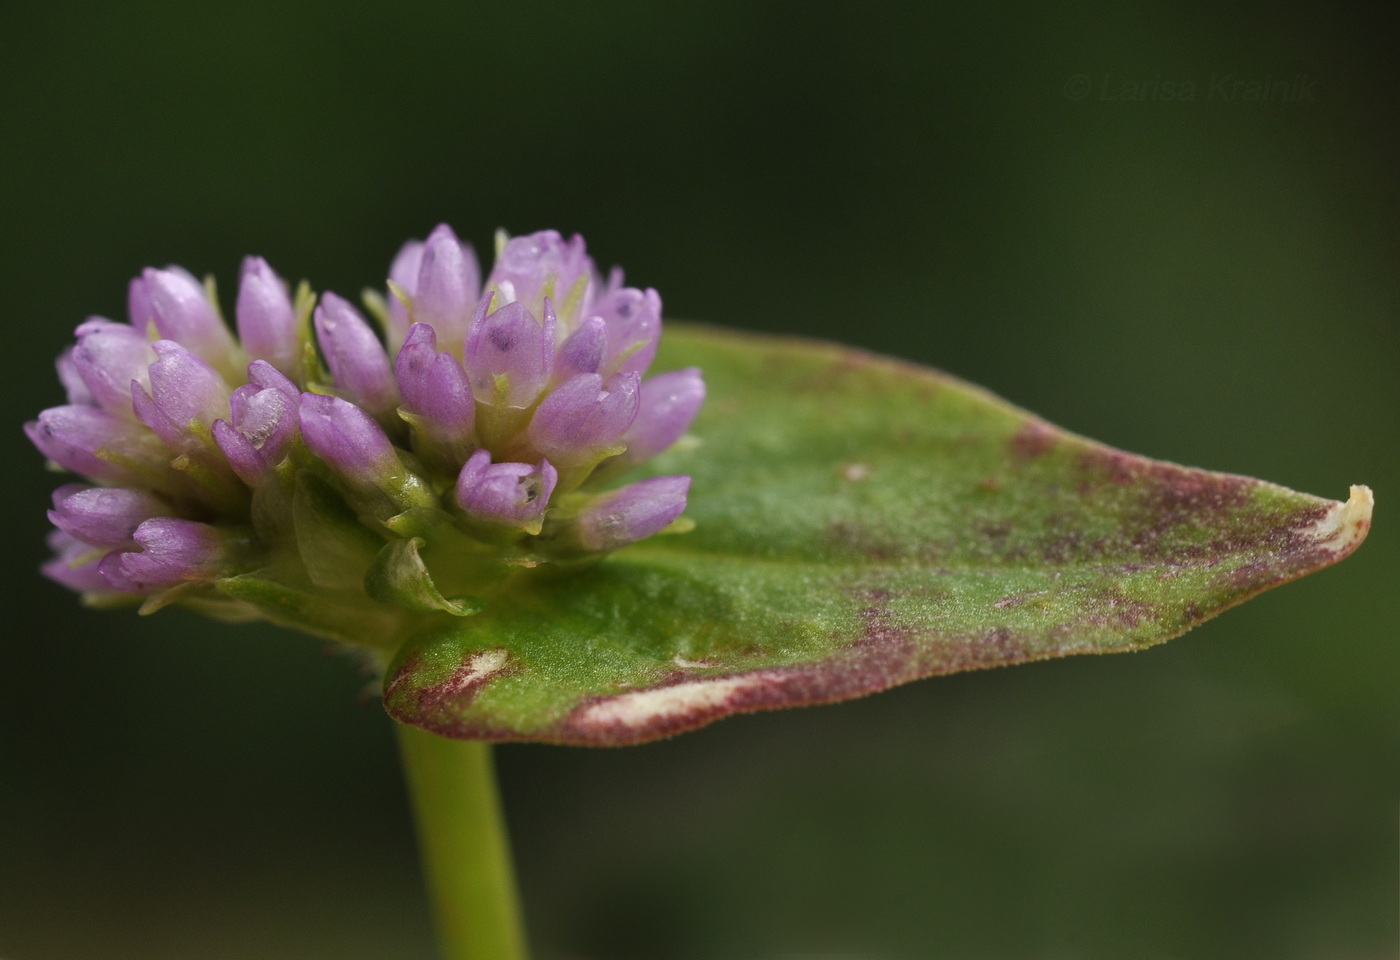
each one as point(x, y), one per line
point(310, 472)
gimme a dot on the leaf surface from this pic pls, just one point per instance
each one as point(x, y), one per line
point(861, 522)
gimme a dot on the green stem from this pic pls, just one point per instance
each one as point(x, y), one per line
point(462, 837)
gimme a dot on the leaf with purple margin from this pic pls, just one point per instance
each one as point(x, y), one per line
point(861, 522)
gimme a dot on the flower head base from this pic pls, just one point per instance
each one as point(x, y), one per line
point(311, 473)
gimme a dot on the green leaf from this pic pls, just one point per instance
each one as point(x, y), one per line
point(860, 523)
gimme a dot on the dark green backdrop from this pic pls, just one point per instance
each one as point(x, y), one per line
point(1007, 193)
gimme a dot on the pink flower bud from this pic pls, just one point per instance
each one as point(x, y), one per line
point(104, 516)
point(668, 405)
point(98, 444)
point(356, 357)
point(435, 393)
point(172, 551)
point(263, 424)
point(509, 355)
point(584, 417)
point(185, 393)
point(182, 312)
point(266, 318)
point(108, 356)
point(506, 494)
point(632, 513)
point(447, 287)
point(540, 265)
point(347, 439)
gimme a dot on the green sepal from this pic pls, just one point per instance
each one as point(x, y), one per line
point(496, 423)
point(335, 547)
point(399, 576)
point(401, 295)
point(201, 598)
point(347, 616)
point(377, 308)
point(428, 523)
point(308, 362)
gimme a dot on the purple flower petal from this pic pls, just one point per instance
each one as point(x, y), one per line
point(540, 265)
point(509, 355)
point(108, 356)
point(435, 394)
point(634, 327)
point(75, 564)
point(182, 312)
point(448, 284)
point(267, 323)
point(347, 439)
point(263, 425)
point(98, 444)
point(505, 494)
point(584, 417)
point(172, 552)
point(632, 513)
point(668, 405)
point(355, 356)
point(184, 391)
point(104, 516)
point(265, 375)
point(72, 379)
point(583, 351)
point(139, 308)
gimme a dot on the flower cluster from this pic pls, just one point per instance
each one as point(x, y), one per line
point(307, 468)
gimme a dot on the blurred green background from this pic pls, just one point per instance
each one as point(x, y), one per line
point(1004, 192)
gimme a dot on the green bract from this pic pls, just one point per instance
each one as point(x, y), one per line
point(860, 523)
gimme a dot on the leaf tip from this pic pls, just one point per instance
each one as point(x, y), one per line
point(1344, 526)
